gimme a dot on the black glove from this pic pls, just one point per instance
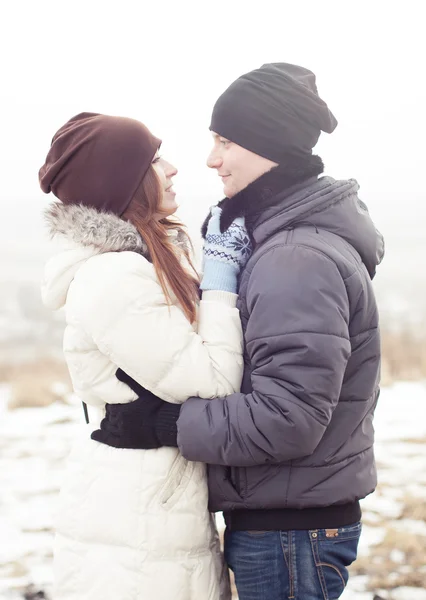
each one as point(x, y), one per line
point(144, 424)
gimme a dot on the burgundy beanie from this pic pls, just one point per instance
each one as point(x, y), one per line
point(274, 111)
point(98, 161)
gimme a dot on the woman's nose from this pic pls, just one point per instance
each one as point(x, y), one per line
point(171, 170)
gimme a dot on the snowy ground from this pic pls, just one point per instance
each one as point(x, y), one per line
point(35, 441)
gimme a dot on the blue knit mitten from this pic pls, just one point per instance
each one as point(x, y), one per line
point(224, 254)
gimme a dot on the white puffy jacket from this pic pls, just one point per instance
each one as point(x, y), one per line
point(134, 524)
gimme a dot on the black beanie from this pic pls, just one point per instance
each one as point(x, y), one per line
point(273, 111)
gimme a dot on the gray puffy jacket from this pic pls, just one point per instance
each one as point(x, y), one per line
point(300, 433)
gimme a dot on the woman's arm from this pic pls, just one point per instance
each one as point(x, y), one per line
point(126, 314)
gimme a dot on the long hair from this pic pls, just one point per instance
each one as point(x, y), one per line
point(143, 212)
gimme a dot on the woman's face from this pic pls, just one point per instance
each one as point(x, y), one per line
point(165, 172)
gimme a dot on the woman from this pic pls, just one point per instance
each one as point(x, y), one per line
point(134, 524)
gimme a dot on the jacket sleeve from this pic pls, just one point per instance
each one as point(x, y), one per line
point(126, 314)
point(297, 341)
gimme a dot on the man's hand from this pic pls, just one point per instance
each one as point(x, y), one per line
point(146, 423)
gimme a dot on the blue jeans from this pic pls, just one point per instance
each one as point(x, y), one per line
point(299, 565)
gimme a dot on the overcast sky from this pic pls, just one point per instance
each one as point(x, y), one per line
point(165, 63)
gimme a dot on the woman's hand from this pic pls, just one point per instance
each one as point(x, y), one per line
point(224, 254)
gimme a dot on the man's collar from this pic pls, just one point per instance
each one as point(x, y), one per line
point(261, 193)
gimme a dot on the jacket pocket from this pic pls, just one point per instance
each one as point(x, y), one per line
point(177, 481)
point(238, 479)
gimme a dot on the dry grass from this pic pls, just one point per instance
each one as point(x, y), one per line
point(415, 509)
point(413, 440)
point(403, 355)
point(400, 559)
point(386, 572)
point(37, 383)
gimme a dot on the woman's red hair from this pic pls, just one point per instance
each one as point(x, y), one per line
point(143, 212)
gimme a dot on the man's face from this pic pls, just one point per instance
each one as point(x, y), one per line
point(236, 166)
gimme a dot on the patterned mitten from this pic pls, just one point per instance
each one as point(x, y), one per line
point(224, 254)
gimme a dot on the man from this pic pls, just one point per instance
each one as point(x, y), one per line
point(292, 454)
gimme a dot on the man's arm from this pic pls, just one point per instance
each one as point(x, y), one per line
point(298, 343)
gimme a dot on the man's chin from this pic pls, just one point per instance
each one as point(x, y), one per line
point(228, 192)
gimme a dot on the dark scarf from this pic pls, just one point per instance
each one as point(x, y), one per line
point(261, 193)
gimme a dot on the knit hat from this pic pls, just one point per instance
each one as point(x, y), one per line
point(98, 161)
point(273, 111)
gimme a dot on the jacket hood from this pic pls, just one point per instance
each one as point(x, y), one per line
point(326, 204)
point(83, 232)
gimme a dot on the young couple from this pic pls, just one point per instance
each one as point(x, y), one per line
point(249, 389)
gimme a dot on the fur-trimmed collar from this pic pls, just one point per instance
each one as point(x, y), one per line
point(261, 193)
point(82, 233)
point(104, 232)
